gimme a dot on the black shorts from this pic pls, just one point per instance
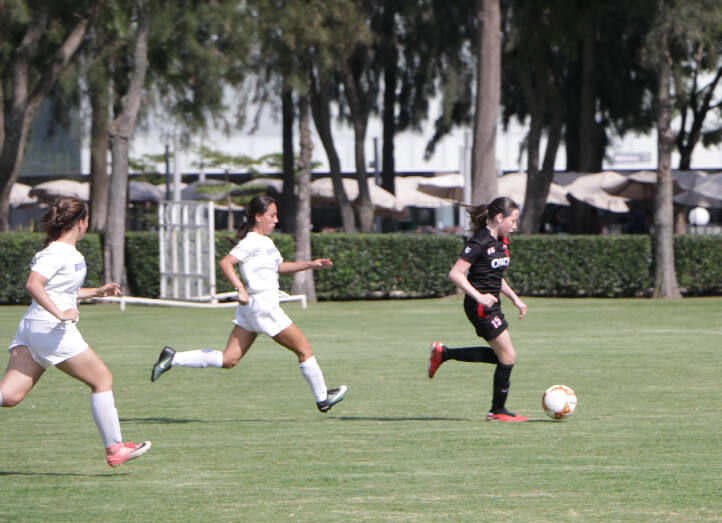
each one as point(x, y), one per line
point(488, 322)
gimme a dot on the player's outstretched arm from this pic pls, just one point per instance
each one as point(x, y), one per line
point(288, 267)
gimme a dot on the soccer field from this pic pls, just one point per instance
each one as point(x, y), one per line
point(248, 444)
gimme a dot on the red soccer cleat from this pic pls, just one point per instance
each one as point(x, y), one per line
point(435, 359)
point(504, 416)
point(119, 453)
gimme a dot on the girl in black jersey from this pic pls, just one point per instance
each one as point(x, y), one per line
point(485, 256)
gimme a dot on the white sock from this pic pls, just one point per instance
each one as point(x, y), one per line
point(312, 372)
point(1, 399)
point(102, 405)
point(198, 358)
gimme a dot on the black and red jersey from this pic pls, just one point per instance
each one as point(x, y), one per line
point(488, 257)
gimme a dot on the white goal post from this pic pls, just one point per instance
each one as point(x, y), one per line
point(187, 260)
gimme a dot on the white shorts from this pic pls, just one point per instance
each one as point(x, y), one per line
point(50, 342)
point(262, 314)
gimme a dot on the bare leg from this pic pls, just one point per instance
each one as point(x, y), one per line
point(21, 375)
point(294, 340)
point(90, 369)
point(239, 342)
point(503, 348)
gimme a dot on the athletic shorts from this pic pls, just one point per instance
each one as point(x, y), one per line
point(262, 314)
point(488, 322)
point(50, 342)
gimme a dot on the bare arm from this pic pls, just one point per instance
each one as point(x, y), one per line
point(36, 287)
point(109, 289)
point(287, 267)
point(509, 292)
point(227, 265)
point(457, 274)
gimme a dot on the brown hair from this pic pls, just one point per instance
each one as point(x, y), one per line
point(257, 205)
point(62, 216)
point(480, 215)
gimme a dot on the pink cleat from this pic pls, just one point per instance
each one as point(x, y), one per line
point(436, 358)
point(504, 416)
point(119, 453)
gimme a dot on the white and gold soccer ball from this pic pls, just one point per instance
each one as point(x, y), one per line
point(559, 401)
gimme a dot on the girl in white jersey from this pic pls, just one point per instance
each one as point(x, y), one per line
point(48, 335)
point(258, 306)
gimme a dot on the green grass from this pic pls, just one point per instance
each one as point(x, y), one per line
point(249, 445)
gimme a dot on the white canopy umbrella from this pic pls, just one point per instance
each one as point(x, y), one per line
point(448, 186)
point(51, 191)
point(694, 199)
point(20, 195)
point(514, 186)
point(145, 192)
point(322, 194)
point(588, 189)
point(269, 184)
point(409, 195)
point(710, 186)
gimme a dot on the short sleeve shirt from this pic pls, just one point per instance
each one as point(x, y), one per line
point(64, 267)
point(488, 257)
point(258, 260)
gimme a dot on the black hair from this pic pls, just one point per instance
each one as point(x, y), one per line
point(257, 205)
point(62, 216)
point(480, 215)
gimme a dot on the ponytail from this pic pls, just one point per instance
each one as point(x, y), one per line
point(480, 215)
point(62, 216)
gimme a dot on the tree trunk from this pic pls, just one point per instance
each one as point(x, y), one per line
point(24, 104)
point(359, 115)
point(121, 131)
point(588, 122)
point(484, 184)
point(98, 87)
point(303, 282)
point(287, 213)
point(665, 278)
point(321, 112)
point(388, 172)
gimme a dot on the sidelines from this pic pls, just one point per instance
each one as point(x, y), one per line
point(215, 304)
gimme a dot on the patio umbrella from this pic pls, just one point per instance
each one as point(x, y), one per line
point(322, 195)
point(409, 195)
point(192, 192)
point(447, 186)
point(588, 189)
point(709, 186)
point(20, 195)
point(638, 186)
point(268, 184)
point(692, 198)
point(514, 186)
point(51, 191)
point(145, 192)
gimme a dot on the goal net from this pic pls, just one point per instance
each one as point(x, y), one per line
point(187, 251)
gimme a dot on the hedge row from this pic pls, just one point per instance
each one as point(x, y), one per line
point(409, 265)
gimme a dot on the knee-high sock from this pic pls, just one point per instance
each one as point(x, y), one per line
point(474, 354)
point(312, 372)
point(102, 405)
point(1, 399)
point(198, 358)
point(501, 386)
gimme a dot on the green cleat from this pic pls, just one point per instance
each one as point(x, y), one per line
point(163, 364)
point(334, 396)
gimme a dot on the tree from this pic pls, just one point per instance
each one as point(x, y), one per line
point(43, 37)
point(121, 131)
point(488, 95)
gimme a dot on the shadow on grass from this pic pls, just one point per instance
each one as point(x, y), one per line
point(16, 473)
point(374, 418)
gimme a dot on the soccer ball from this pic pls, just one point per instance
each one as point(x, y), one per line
point(559, 401)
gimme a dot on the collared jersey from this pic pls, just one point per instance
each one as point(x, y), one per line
point(488, 257)
point(64, 267)
point(258, 260)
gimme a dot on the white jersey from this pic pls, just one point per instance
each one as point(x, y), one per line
point(258, 259)
point(64, 267)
